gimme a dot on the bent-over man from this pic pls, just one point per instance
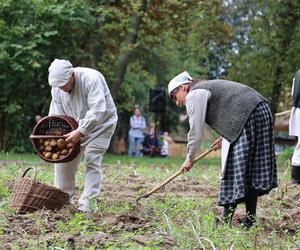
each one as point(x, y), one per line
point(83, 94)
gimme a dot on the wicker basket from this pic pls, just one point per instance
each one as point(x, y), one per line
point(29, 195)
point(53, 127)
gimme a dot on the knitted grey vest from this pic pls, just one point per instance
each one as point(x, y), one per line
point(229, 106)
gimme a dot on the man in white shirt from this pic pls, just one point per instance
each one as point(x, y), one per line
point(82, 93)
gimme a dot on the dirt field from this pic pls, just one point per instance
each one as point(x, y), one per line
point(156, 222)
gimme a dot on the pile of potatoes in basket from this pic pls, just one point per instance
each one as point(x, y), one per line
point(54, 148)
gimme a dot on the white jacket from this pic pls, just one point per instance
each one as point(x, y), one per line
point(89, 103)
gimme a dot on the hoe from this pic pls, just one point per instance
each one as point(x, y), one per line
point(179, 172)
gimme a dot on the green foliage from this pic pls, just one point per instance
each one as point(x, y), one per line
point(266, 57)
point(77, 224)
point(94, 34)
point(253, 42)
point(28, 44)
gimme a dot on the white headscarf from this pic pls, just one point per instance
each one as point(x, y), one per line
point(60, 72)
point(178, 80)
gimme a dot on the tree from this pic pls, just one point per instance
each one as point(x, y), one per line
point(128, 46)
point(32, 34)
point(136, 45)
point(265, 57)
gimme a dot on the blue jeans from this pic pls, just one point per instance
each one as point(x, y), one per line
point(134, 141)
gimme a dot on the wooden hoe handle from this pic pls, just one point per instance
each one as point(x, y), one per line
point(179, 172)
point(287, 112)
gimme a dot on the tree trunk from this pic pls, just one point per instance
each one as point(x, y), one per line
point(4, 134)
point(129, 42)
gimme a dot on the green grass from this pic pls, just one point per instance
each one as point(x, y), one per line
point(180, 217)
point(7, 156)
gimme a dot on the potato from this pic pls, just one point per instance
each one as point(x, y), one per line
point(64, 152)
point(58, 132)
point(61, 143)
point(44, 153)
point(53, 143)
point(55, 156)
point(55, 132)
point(46, 143)
point(48, 155)
point(70, 145)
point(41, 141)
point(48, 148)
point(41, 148)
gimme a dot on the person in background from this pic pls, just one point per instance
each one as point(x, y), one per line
point(294, 128)
point(136, 132)
point(37, 118)
point(151, 145)
point(166, 140)
point(82, 93)
point(244, 120)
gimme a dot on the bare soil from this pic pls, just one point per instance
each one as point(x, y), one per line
point(138, 217)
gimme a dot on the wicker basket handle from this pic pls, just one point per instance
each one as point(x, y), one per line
point(28, 170)
point(47, 137)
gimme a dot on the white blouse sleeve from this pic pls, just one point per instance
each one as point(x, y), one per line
point(196, 105)
point(97, 106)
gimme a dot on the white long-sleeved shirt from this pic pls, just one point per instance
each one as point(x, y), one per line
point(89, 103)
point(196, 106)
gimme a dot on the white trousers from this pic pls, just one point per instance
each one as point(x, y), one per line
point(296, 154)
point(65, 173)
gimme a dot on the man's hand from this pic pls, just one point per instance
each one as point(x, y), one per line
point(217, 144)
point(186, 166)
point(73, 136)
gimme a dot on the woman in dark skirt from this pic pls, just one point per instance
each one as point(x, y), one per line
point(243, 118)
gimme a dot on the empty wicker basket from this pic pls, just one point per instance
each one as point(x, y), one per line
point(52, 128)
point(29, 195)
